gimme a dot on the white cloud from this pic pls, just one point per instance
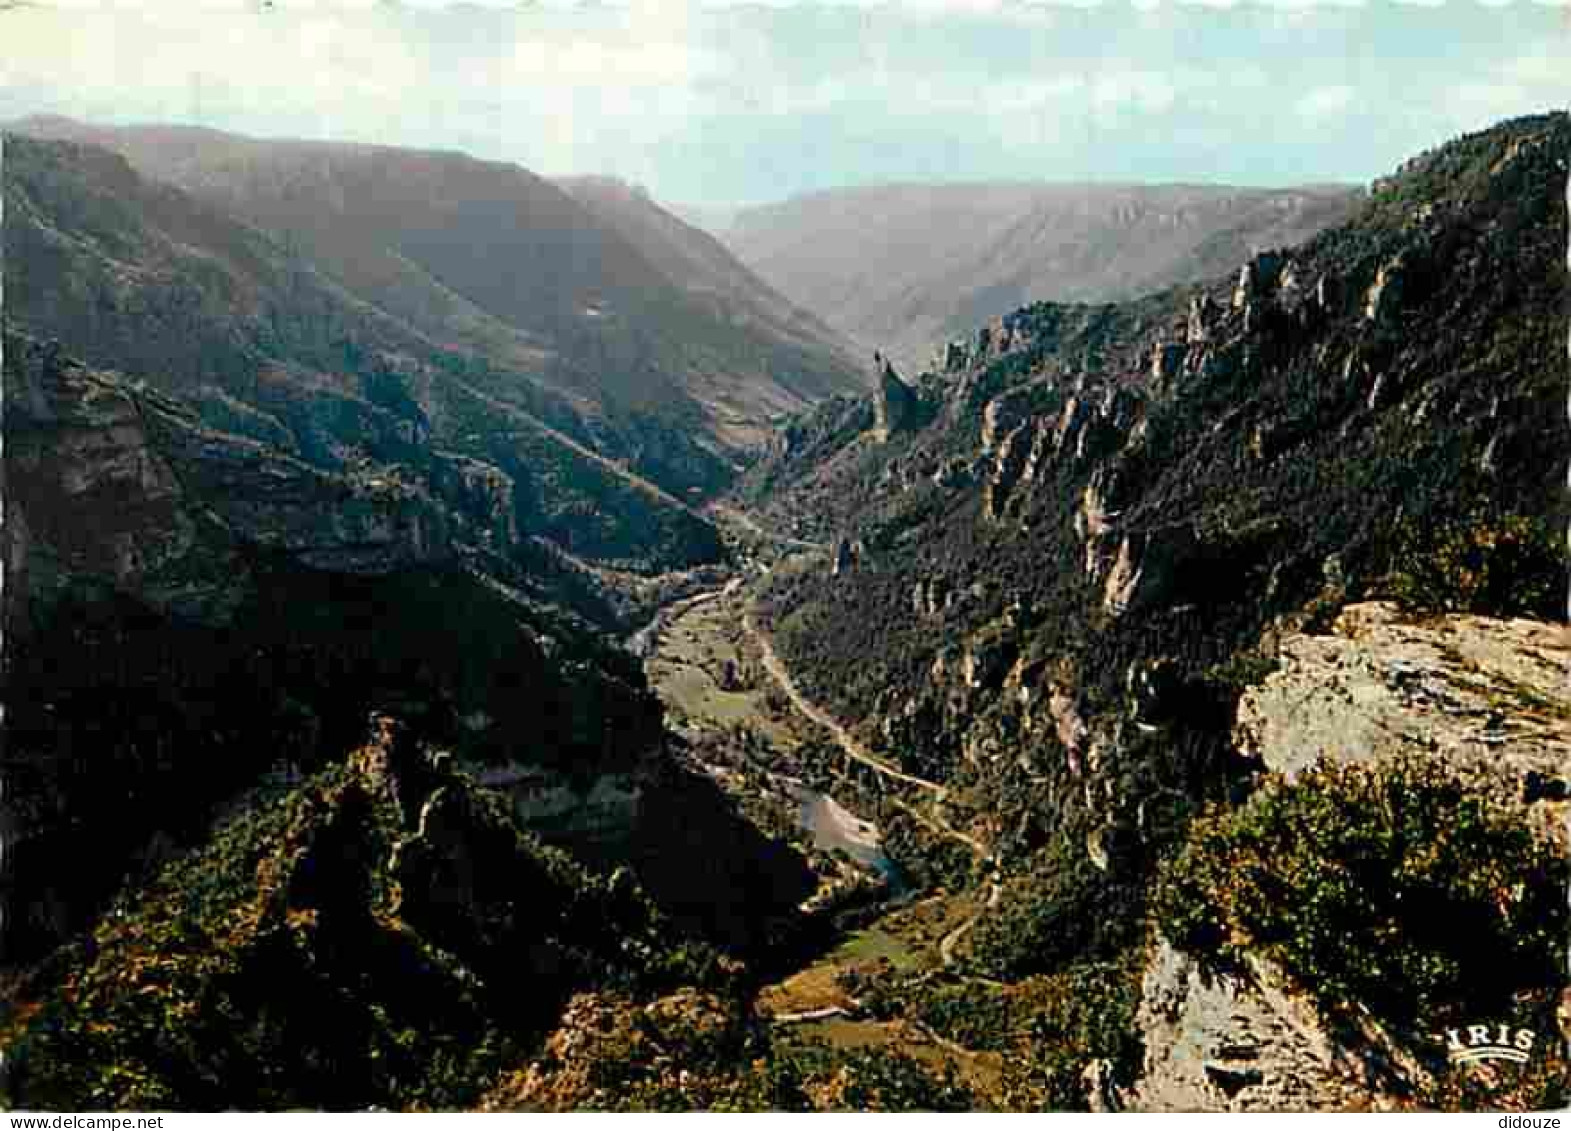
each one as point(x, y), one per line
point(1015, 96)
point(605, 86)
point(1141, 91)
point(141, 61)
point(1325, 102)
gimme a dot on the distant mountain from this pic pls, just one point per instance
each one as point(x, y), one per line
point(901, 268)
point(716, 219)
point(133, 275)
point(715, 279)
point(490, 259)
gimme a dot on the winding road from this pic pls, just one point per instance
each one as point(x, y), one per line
point(947, 944)
point(843, 737)
point(742, 518)
point(642, 642)
point(860, 754)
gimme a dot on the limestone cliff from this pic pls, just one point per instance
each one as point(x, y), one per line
point(894, 404)
point(1160, 481)
point(114, 482)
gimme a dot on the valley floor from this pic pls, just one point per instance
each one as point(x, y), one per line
point(731, 697)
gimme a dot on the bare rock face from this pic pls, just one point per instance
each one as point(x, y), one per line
point(1247, 1042)
point(1323, 301)
point(1489, 696)
point(1092, 519)
point(1256, 279)
point(1123, 578)
point(931, 597)
point(1069, 726)
point(894, 405)
point(1003, 414)
point(1013, 453)
point(347, 524)
point(480, 488)
point(1202, 317)
point(662, 1042)
point(115, 483)
point(1020, 449)
point(91, 496)
point(1385, 293)
point(987, 657)
point(158, 569)
point(844, 557)
point(953, 357)
point(1167, 359)
point(597, 811)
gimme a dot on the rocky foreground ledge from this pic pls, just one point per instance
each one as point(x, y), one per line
point(1492, 698)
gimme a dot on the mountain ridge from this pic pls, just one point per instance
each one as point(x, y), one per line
point(904, 266)
point(492, 256)
point(1215, 635)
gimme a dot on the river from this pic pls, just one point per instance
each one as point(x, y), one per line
point(831, 825)
point(643, 642)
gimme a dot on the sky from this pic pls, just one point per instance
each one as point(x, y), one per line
point(718, 103)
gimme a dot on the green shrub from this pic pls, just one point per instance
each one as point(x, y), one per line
point(1246, 668)
point(1392, 885)
point(1063, 910)
point(878, 1080)
point(1497, 565)
point(1080, 1016)
point(320, 953)
point(977, 1015)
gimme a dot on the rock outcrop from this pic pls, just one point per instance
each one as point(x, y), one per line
point(931, 597)
point(114, 482)
point(1248, 1042)
point(1385, 293)
point(894, 402)
point(379, 925)
point(1002, 415)
point(1488, 696)
point(291, 339)
point(1167, 359)
point(1202, 317)
point(1164, 522)
point(1257, 279)
point(844, 557)
point(597, 812)
point(89, 495)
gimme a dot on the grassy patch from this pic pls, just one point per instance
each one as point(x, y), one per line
point(877, 945)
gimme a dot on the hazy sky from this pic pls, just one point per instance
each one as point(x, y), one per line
point(721, 103)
